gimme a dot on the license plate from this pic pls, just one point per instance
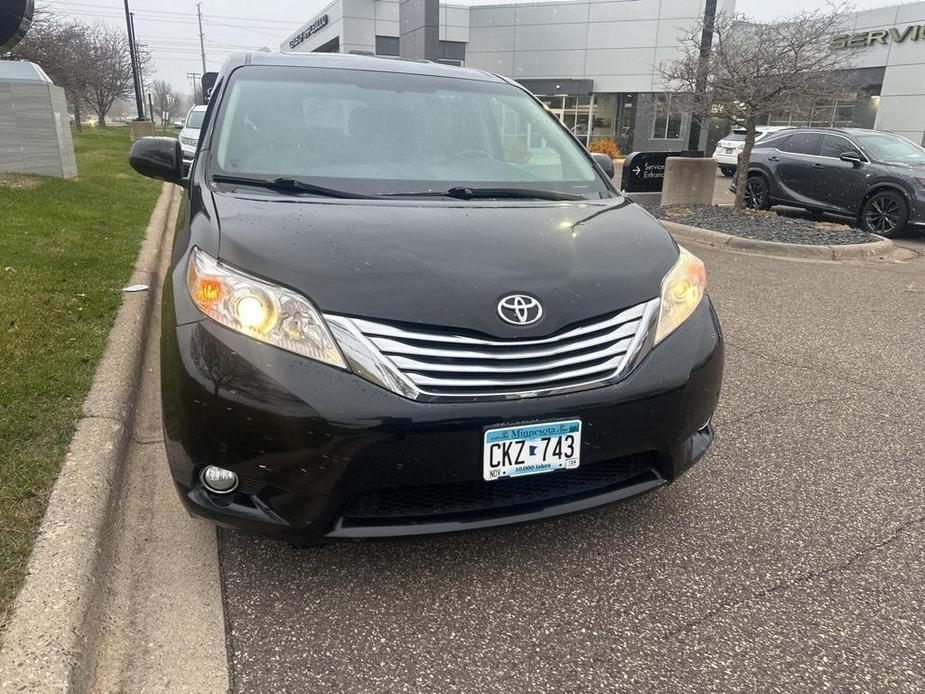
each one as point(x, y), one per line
point(729, 150)
point(529, 449)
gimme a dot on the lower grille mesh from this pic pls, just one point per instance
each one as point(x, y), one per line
point(477, 497)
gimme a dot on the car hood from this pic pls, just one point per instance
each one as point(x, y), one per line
point(449, 264)
point(190, 132)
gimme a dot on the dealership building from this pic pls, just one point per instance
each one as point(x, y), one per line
point(595, 63)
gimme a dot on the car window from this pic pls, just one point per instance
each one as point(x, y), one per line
point(835, 146)
point(802, 143)
point(383, 132)
point(768, 142)
point(891, 148)
point(735, 137)
point(195, 118)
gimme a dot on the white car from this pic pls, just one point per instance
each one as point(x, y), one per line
point(727, 151)
point(189, 135)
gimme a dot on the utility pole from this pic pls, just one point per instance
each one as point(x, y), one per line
point(706, 46)
point(139, 102)
point(193, 78)
point(202, 45)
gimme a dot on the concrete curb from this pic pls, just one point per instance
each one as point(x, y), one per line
point(51, 634)
point(878, 249)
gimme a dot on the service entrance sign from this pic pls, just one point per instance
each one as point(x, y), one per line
point(644, 172)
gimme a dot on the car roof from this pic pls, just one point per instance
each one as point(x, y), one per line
point(353, 61)
point(838, 131)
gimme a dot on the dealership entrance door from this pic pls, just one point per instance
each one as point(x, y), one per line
point(573, 111)
point(596, 116)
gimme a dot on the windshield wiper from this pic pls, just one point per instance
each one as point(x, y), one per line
point(289, 185)
point(469, 193)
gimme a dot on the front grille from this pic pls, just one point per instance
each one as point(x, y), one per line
point(443, 362)
point(483, 499)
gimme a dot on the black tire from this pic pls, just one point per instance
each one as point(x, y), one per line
point(885, 213)
point(756, 193)
point(728, 171)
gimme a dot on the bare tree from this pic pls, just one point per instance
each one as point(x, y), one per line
point(166, 102)
point(111, 76)
point(62, 49)
point(754, 69)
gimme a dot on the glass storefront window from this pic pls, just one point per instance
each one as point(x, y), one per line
point(601, 117)
point(823, 113)
point(668, 122)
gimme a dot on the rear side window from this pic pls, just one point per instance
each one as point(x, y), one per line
point(769, 143)
point(802, 143)
point(735, 137)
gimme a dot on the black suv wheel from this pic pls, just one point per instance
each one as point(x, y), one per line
point(885, 213)
point(756, 193)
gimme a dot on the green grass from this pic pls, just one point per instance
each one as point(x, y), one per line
point(66, 250)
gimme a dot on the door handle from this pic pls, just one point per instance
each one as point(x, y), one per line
point(818, 166)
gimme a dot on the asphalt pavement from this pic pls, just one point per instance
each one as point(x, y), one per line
point(792, 558)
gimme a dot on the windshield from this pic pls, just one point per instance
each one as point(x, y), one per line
point(194, 119)
point(891, 149)
point(376, 132)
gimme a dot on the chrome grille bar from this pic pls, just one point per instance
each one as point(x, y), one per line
point(435, 363)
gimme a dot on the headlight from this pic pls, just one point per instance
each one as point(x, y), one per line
point(191, 141)
point(260, 310)
point(682, 289)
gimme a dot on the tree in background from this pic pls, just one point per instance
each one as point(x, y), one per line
point(166, 102)
point(111, 75)
point(754, 69)
point(62, 49)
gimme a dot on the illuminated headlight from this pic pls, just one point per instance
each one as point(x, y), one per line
point(682, 290)
point(260, 310)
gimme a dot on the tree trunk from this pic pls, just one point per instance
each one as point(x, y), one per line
point(78, 121)
point(744, 159)
point(103, 119)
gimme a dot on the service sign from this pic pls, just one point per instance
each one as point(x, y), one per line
point(644, 172)
point(308, 31)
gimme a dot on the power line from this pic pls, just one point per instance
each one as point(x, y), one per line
point(192, 15)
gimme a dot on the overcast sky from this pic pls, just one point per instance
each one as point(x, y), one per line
point(169, 27)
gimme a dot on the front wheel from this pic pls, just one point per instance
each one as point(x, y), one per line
point(756, 193)
point(727, 171)
point(885, 213)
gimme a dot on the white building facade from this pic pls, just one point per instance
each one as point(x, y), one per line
point(595, 63)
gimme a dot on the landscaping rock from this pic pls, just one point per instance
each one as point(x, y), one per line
point(764, 225)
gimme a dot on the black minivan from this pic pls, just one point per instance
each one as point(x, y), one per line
point(403, 299)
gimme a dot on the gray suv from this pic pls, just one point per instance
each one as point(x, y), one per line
point(877, 177)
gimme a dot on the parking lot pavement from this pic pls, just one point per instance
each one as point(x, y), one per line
point(790, 559)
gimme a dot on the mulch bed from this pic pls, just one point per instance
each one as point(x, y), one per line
point(765, 226)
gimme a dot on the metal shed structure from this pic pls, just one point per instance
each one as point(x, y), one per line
point(35, 135)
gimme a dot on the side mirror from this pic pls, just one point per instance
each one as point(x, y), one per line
point(157, 157)
point(604, 162)
point(852, 157)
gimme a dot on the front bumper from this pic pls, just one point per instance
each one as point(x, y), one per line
point(322, 453)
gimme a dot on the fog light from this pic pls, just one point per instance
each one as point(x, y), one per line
point(219, 480)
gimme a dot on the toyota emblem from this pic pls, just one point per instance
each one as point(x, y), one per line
point(520, 309)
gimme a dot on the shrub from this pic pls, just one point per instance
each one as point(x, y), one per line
point(608, 147)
